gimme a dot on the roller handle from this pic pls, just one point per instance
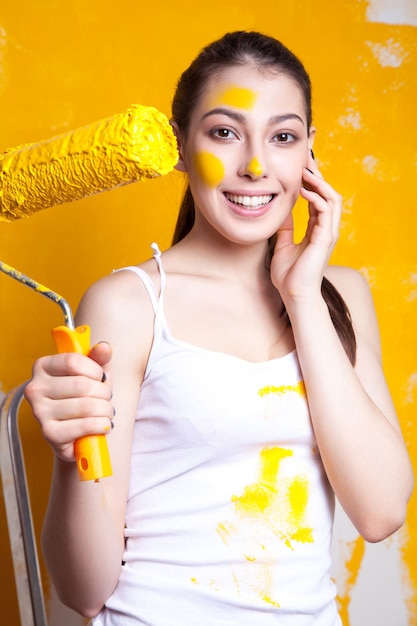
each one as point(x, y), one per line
point(91, 452)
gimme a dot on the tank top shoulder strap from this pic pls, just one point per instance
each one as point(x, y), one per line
point(154, 297)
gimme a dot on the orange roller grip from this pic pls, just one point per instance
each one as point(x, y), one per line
point(91, 452)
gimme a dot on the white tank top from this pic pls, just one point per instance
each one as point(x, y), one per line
point(229, 513)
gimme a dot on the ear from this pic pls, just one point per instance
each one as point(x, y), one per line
point(180, 166)
point(311, 137)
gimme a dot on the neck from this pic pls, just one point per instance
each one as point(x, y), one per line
point(215, 255)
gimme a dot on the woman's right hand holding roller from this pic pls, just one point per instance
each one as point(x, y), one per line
point(71, 396)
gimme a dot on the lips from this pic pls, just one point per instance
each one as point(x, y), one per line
point(249, 202)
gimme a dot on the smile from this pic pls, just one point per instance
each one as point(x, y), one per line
point(251, 202)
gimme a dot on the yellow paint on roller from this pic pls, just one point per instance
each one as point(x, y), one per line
point(119, 150)
point(254, 167)
point(209, 168)
point(237, 97)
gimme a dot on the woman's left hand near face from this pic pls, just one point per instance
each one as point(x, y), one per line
point(297, 269)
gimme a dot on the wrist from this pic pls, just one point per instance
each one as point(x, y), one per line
point(306, 308)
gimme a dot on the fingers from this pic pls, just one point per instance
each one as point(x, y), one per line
point(101, 353)
point(70, 399)
point(285, 233)
point(325, 204)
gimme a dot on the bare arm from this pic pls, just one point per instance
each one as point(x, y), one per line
point(352, 413)
point(353, 416)
point(83, 530)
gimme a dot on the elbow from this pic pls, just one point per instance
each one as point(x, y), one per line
point(378, 524)
point(78, 604)
point(376, 528)
point(374, 533)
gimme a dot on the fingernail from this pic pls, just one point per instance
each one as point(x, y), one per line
point(112, 424)
point(104, 377)
point(114, 412)
point(312, 155)
point(306, 185)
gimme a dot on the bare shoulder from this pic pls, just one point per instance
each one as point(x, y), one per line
point(349, 282)
point(354, 289)
point(118, 309)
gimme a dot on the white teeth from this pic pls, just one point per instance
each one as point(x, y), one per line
point(252, 202)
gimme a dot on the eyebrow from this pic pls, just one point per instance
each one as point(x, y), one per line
point(239, 117)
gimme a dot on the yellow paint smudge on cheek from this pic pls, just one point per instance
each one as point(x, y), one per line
point(239, 97)
point(209, 168)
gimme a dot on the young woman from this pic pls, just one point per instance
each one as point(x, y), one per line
point(246, 379)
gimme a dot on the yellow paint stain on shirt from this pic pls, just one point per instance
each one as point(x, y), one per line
point(352, 566)
point(269, 600)
point(210, 168)
point(298, 493)
point(302, 535)
point(298, 497)
point(224, 530)
point(257, 497)
point(299, 389)
point(255, 167)
point(233, 96)
point(272, 509)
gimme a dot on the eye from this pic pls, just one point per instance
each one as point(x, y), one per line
point(223, 133)
point(284, 138)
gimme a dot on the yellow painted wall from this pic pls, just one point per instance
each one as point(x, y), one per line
point(65, 64)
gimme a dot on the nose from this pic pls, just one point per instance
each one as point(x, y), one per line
point(254, 168)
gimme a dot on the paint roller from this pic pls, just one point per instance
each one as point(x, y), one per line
point(116, 151)
point(123, 149)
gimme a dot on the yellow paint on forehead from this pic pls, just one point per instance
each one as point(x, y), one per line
point(210, 168)
point(255, 167)
point(233, 96)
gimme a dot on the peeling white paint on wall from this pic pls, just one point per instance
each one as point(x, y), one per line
point(370, 275)
point(4, 73)
point(370, 603)
point(388, 54)
point(411, 282)
point(411, 389)
point(402, 12)
point(370, 164)
point(351, 118)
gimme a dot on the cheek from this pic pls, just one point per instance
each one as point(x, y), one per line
point(209, 168)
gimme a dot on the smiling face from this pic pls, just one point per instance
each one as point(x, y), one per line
point(245, 150)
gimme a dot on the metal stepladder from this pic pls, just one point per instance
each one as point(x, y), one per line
point(19, 514)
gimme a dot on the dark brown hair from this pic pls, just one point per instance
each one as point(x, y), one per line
point(270, 56)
